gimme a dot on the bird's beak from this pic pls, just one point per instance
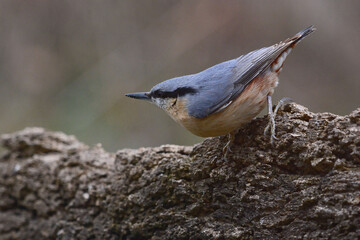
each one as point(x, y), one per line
point(140, 95)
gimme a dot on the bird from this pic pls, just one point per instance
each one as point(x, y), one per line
point(222, 98)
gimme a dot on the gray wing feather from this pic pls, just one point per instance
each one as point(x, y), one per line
point(224, 82)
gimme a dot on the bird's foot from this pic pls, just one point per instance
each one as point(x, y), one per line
point(227, 147)
point(272, 115)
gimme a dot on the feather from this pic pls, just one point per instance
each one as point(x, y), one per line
point(224, 82)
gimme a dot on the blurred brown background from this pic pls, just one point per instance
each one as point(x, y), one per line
point(66, 65)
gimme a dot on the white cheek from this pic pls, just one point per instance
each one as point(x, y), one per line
point(159, 102)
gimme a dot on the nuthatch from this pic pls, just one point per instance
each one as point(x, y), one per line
point(218, 100)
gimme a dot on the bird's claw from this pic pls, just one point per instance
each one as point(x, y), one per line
point(227, 147)
point(272, 115)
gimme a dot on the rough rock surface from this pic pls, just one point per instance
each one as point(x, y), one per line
point(305, 186)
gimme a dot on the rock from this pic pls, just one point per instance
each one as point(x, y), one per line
point(305, 186)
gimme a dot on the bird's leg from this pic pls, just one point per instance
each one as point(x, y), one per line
point(272, 116)
point(271, 123)
point(281, 103)
point(227, 147)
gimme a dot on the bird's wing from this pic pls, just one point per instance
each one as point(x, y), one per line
point(224, 82)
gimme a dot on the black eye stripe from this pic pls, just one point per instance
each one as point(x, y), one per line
point(177, 93)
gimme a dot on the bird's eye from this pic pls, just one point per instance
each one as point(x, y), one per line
point(179, 92)
point(159, 94)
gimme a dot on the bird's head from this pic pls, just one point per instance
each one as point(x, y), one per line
point(166, 94)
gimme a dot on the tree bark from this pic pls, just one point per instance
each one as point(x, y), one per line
point(304, 186)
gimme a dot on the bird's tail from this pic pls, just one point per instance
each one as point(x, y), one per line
point(302, 34)
point(286, 46)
